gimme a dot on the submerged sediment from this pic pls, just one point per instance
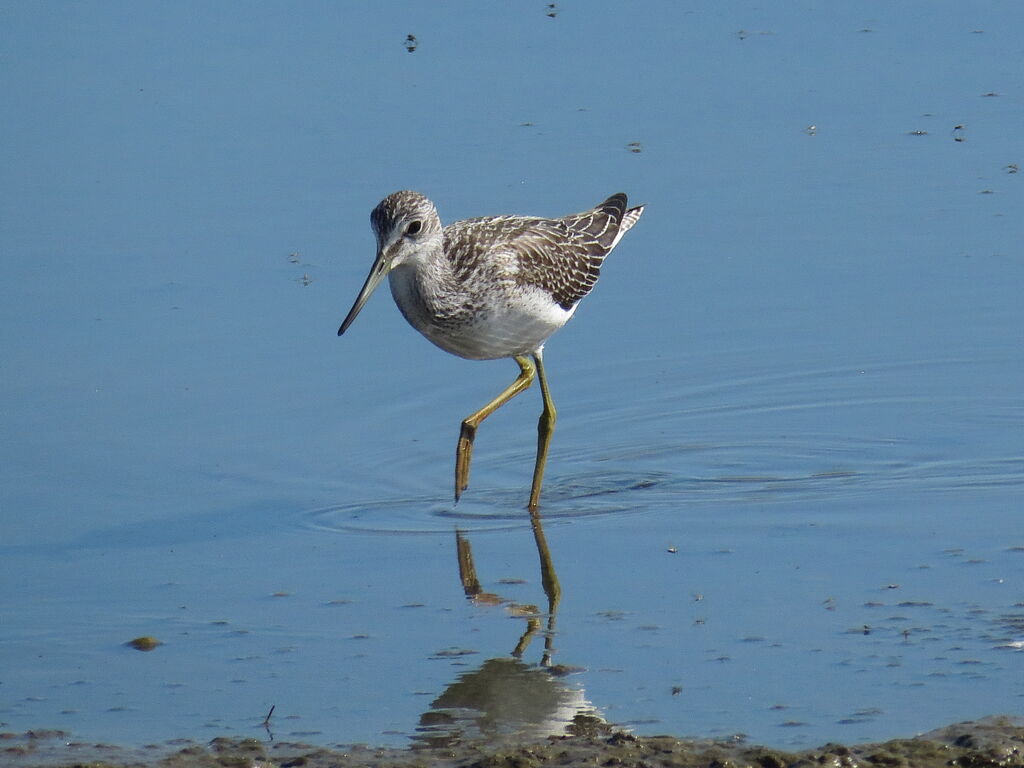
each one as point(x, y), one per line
point(992, 741)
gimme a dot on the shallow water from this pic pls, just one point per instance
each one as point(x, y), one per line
point(784, 494)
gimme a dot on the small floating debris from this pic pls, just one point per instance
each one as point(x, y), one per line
point(672, 550)
point(635, 147)
point(410, 43)
point(743, 34)
point(552, 11)
point(811, 129)
point(144, 643)
point(450, 653)
point(917, 133)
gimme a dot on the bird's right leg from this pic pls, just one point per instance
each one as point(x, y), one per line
point(464, 452)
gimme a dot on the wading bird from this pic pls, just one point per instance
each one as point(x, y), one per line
point(492, 287)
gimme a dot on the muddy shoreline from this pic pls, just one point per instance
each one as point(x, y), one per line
point(991, 741)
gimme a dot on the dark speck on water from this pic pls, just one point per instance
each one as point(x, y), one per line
point(145, 643)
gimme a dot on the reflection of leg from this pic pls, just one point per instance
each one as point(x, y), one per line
point(552, 588)
point(464, 452)
point(548, 577)
point(549, 642)
point(471, 586)
point(532, 625)
point(467, 571)
point(545, 428)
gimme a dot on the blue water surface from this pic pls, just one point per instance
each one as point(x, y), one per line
point(784, 496)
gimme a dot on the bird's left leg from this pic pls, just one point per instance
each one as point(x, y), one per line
point(464, 451)
point(545, 428)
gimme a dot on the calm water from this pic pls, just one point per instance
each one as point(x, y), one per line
point(784, 498)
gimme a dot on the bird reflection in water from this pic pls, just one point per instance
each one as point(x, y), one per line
point(506, 698)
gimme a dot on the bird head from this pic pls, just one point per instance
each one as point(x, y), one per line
point(406, 224)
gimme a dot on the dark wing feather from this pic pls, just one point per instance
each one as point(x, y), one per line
point(560, 256)
point(562, 261)
point(577, 261)
point(602, 222)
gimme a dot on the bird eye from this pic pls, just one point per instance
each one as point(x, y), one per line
point(414, 227)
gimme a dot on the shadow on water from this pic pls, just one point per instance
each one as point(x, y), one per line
point(252, 520)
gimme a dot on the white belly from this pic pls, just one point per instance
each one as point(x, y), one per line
point(516, 320)
point(506, 331)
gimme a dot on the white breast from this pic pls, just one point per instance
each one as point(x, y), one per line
point(504, 329)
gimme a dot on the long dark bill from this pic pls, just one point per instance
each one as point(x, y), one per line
point(377, 273)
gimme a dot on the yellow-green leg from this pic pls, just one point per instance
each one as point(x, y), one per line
point(464, 451)
point(545, 428)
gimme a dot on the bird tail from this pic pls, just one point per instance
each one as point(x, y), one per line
point(629, 218)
